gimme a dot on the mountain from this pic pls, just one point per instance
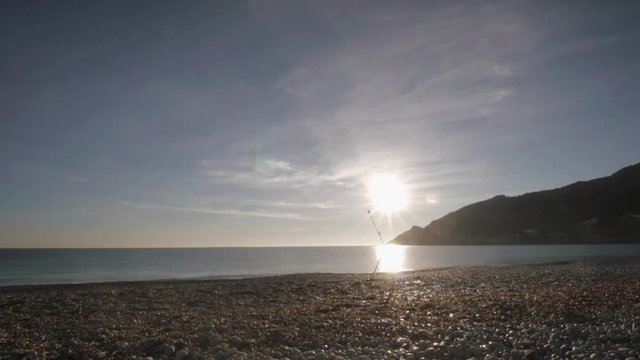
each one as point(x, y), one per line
point(599, 211)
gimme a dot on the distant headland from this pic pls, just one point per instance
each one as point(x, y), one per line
point(600, 211)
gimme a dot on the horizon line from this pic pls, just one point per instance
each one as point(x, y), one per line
point(174, 247)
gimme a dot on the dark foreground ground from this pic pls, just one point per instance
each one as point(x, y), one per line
point(585, 310)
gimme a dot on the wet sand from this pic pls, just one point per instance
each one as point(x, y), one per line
point(588, 309)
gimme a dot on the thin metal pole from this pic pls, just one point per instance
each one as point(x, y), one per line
point(376, 268)
point(382, 241)
point(376, 227)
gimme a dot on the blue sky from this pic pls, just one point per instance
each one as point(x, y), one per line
point(230, 123)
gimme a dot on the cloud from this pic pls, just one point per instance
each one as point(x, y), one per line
point(278, 173)
point(421, 84)
point(301, 205)
point(418, 95)
point(433, 199)
point(77, 178)
point(230, 212)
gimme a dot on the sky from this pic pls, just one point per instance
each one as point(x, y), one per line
point(260, 123)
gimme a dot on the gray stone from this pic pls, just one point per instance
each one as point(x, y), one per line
point(422, 334)
point(532, 355)
point(166, 349)
point(350, 353)
point(295, 354)
point(181, 354)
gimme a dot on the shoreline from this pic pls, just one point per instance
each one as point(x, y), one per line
point(612, 242)
point(580, 309)
point(599, 258)
point(44, 267)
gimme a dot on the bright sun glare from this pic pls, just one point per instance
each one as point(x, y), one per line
point(391, 258)
point(388, 194)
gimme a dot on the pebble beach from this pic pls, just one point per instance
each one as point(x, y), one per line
point(573, 310)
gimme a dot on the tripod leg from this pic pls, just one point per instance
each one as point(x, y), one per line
point(376, 268)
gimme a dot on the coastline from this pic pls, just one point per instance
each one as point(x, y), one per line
point(587, 308)
point(231, 278)
point(77, 266)
point(227, 278)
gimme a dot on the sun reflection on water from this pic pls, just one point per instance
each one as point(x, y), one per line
point(391, 258)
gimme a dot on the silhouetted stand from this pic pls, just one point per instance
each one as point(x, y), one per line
point(373, 274)
point(382, 241)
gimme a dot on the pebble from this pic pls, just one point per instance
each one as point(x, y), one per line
point(181, 354)
point(166, 349)
point(555, 311)
point(308, 354)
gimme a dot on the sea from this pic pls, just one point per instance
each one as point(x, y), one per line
point(58, 266)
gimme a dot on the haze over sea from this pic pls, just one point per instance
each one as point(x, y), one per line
point(48, 266)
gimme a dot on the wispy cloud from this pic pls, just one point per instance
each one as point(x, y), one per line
point(279, 173)
point(75, 178)
point(413, 90)
point(300, 205)
point(415, 96)
point(230, 212)
point(461, 100)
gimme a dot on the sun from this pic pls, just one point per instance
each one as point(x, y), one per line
point(388, 194)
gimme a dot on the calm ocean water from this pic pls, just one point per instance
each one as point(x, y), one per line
point(45, 266)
